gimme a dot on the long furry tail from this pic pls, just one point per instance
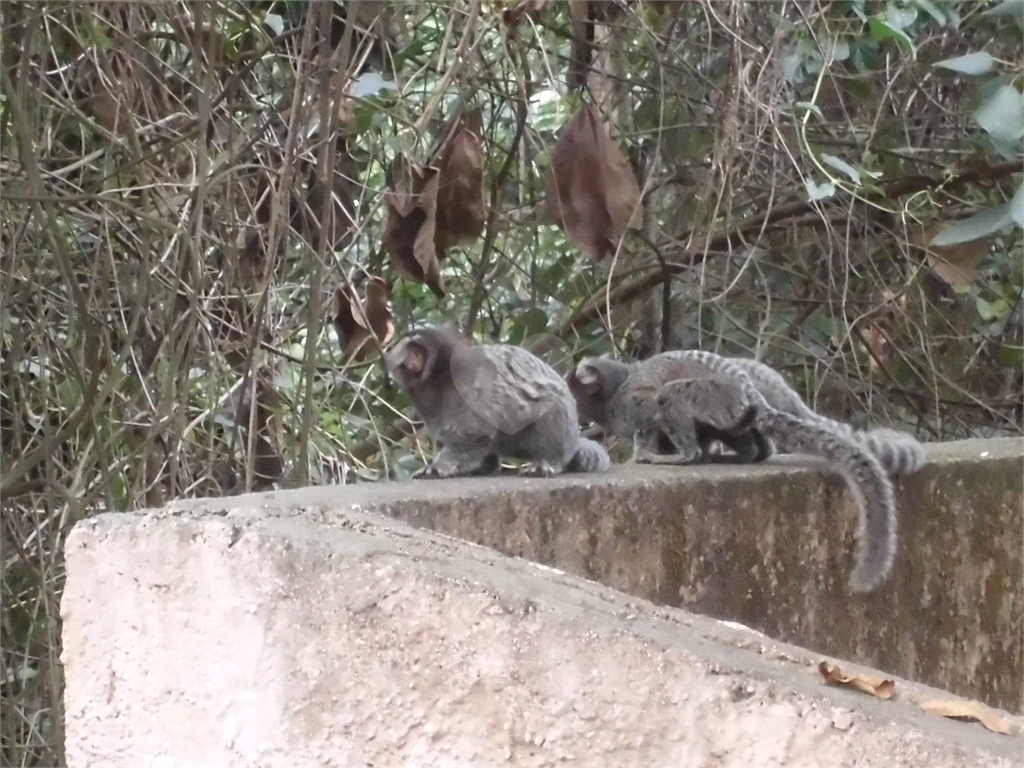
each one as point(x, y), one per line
point(866, 477)
point(899, 453)
point(590, 456)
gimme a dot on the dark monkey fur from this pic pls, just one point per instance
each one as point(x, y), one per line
point(676, 404)
point(487, 402)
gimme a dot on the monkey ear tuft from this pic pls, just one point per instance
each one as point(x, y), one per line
point(588, 375)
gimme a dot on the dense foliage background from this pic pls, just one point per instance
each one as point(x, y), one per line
point(194, 215)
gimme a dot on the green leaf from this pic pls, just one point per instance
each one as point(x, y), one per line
point(370, 84)
point(275, 22)
point(820, 191)
point(842, 166)
point(932, 11)
point(1007, 8)
point(977, 226)
point(883, 30)
point(837, 50)
point(991, 311)
point(977, 63)
point(1017, 206)
point(866, 56)
point(1002, 114)
point(900, 17)
point(1010, 355)
point(412, 51)
point(809, 106)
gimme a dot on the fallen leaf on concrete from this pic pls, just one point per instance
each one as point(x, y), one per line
point(591, 190)
point(876, 686)
point(411, 202)
point(357, 321)
point(972, 710)
point(460, 193)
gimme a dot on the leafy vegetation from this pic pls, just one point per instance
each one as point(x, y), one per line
point(196, 279)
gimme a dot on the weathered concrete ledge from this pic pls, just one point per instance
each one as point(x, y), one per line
point(253, 637)
point(770, 547)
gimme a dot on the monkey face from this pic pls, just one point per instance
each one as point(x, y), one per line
point(587, 385)
point(424, 354)
point(408, 360)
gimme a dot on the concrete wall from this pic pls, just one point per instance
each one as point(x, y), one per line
point(298, 632)
point(770, 547)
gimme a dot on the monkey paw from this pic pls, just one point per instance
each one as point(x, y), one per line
point(428, 472)
point(538, 469)
point(677, 459)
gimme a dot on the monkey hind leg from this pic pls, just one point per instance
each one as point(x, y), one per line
point(452, 463)
point(748, 446)
point(656, 446)
point(697, 412)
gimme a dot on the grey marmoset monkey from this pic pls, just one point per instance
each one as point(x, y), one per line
point(483, 403)
point(674, 405)
point(899, 452)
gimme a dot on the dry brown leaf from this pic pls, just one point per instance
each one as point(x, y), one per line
point(970, 709)
point(876, 686)
point(531, 9)
point(109, 82)
point(591, 190)
point(878, 344)
point(956, 265)
point(306, 217)
point(460, 209)
point(411, 203)
point(268, 462)
point(356, 321)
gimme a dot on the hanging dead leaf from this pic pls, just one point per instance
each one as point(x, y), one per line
point(460, 209)
point(306, 218)
point(531, 9)
point(356, 321)
point(878, 346)
point(956, 265)
point(110, 91)
point(411, 202)
point(591, 190)
point(971, 710)
point(876, 686)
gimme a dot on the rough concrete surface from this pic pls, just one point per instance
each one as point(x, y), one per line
point(769, 546)
point(261, 635)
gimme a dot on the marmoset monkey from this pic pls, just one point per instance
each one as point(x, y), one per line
point(488, 402)
point(899, 452)
point(683, 401)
